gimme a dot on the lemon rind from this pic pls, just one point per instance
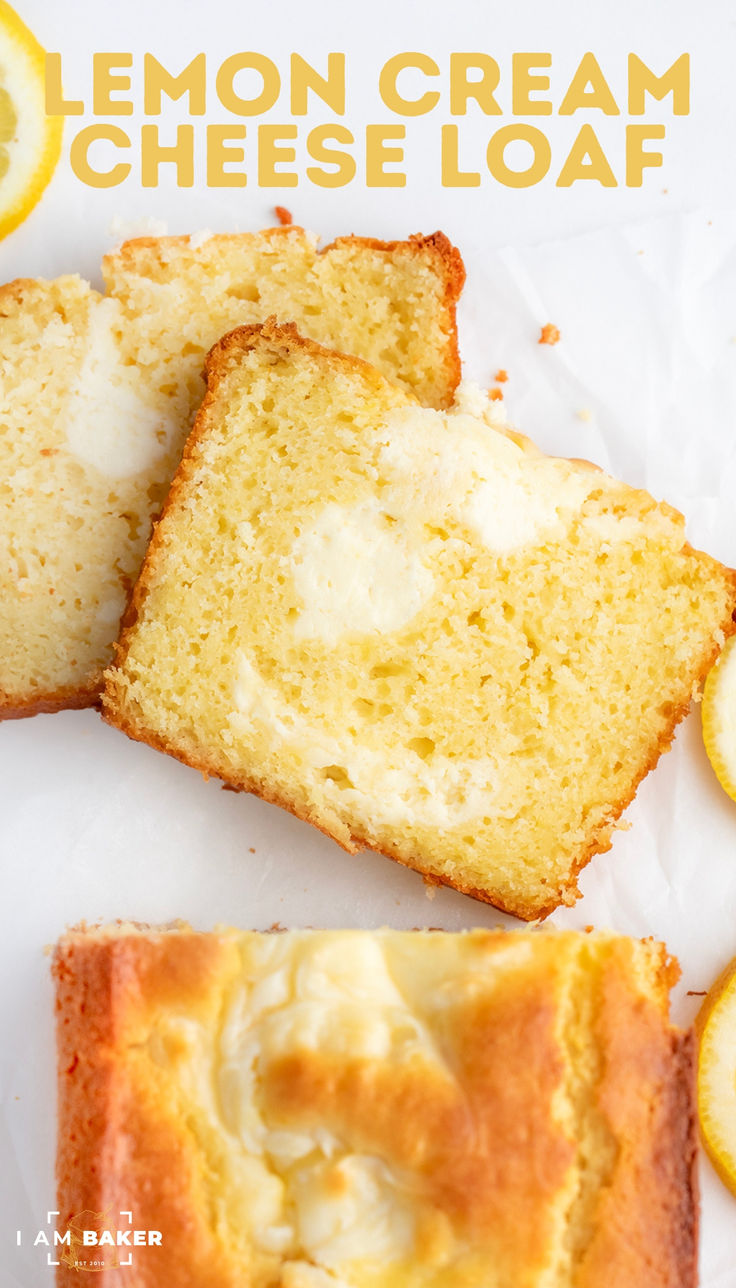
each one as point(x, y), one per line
point(49, 154)
point(722, 994)
point(725, 773)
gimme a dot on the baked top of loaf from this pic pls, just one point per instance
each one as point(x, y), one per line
point(97, 395)
point(411, 628)
point(349, 1109)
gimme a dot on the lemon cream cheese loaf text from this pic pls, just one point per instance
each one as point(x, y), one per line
point(96, 399)
point(357, 1109)
point(411, 627)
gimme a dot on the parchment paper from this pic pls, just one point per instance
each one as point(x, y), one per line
point(643, 382)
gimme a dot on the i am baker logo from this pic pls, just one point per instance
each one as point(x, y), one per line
point(92, 1241)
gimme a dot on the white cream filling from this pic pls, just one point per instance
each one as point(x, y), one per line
point(393, 785)
point(356, 571)
point(334, 995)
point(200, 237)
point(455, 468)
point(472, 400)
point(329, 1208)
point(351, 1210)
point(367, 567)
point(111, 610)
point(108, 424)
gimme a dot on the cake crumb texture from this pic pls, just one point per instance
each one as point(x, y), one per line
point(410, 627)
point(97, 396)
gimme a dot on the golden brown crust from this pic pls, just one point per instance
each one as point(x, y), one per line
point(16, 707)
point(84, 1025)
point(118, 1148)
point(647, 1096)
point(507, 1067)
point(482, 1131)
point(14, 291)
point(286, 338)
point(451, 268)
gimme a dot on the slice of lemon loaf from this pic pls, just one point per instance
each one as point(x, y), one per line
point(392, 303)
point(377, 1109)
point(76, 487)
point(411, 628)
point(97, 395)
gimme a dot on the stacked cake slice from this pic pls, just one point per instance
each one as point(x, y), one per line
point(97, 395)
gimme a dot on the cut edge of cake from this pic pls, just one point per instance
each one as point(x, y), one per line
point(114, 712)
point(436, 248)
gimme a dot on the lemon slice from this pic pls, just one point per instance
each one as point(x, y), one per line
point(716, 1028)
point(719, 717)
point(30, 141)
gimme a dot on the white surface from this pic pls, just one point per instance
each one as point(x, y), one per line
point(642, 284)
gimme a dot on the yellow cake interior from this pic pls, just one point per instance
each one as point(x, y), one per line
point(99, 394)
point(413, 628)
point(86, 453)
point(392, 307)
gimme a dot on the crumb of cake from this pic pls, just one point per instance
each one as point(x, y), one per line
point(199, 238)
point(283, 215)
point(501, 376)
point(251, 849)
point(585, 414)
point(495, 394)
point(550, 334)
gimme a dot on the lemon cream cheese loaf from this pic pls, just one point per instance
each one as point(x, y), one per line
point(392, 303)
point(97, 395)
point(409, 627)
point(357, 1109)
